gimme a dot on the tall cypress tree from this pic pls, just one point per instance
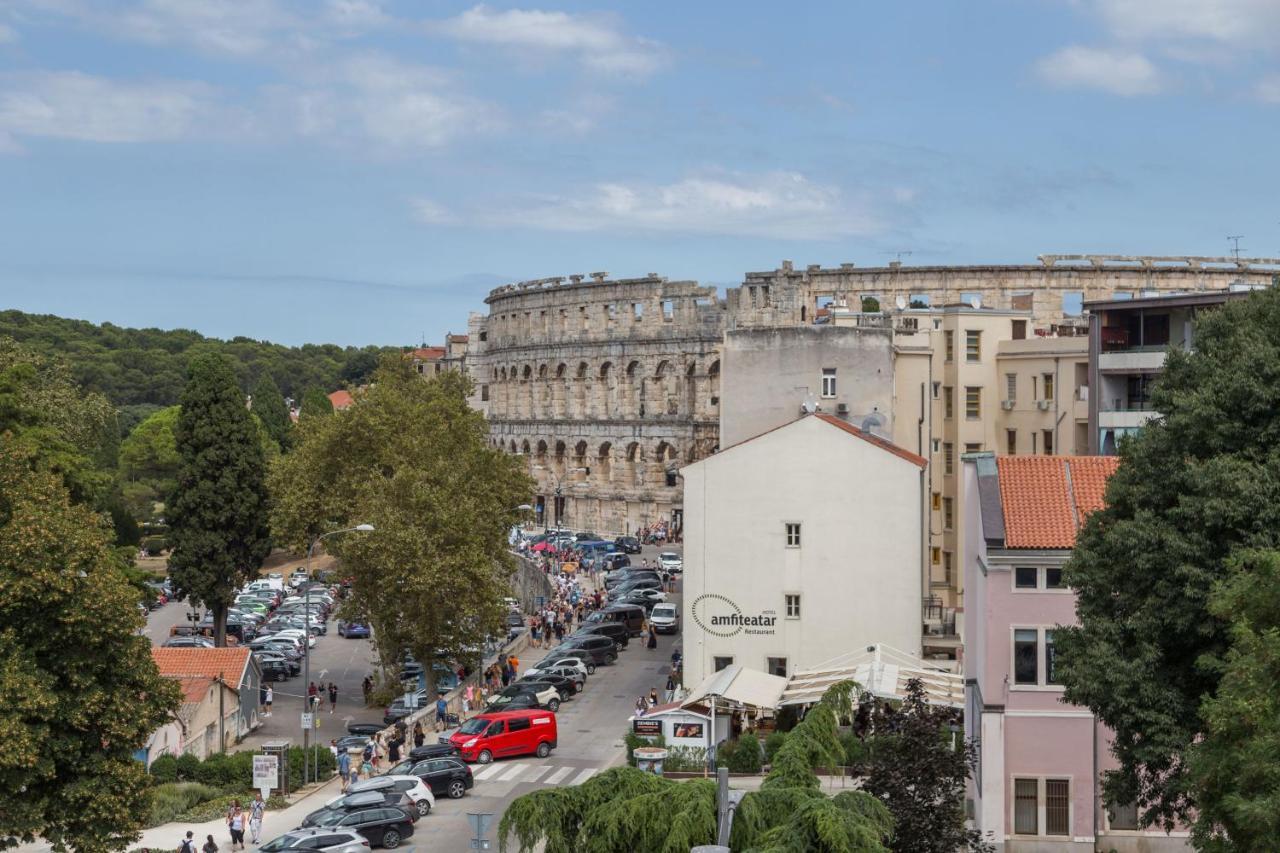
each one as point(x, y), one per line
point(218, 513)
point(269, 406)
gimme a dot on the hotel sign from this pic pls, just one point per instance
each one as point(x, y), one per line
point(719, 615)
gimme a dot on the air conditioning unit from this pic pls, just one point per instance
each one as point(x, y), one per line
point(1043, 405)
point(842, 408)
point(1007, 405)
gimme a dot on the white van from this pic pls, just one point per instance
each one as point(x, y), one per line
point(665, 618)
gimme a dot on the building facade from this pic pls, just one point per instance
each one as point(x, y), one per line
point(1037, 785)
point(801, 544)
point(606, 387)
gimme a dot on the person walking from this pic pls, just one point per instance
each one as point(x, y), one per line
point(209, 845)
point(653, 697)
point(442, 713)
point(670, 692)
point(188, 844)
point(333, 696)
point(271, 695)
point(641, 706)
point(344, 769)
point(312, 692)
point(468, 698)
point(419, 736)
point(393, 750)
point(235, 823)
point(378, 749)
point(257, 809)
point(653, 639)
point(367, 687)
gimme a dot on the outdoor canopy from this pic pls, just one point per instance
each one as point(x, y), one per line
point(736, 686)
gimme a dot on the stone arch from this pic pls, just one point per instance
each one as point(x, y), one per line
point(604, 391)
point(543, 394)
point(524, 448)
point(513, 446)
point(634, 386)
point(666, 463)
point(560, 391)
point(541, 451)
point(604, 462)
point(665, 399)
point(580, 459)
point(635, 464)
point(691, 385)
point(526, 391)
point(713, 386)
point(580, 375)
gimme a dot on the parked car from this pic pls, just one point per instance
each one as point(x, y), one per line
point(615, 631)
point(544, 694)
point(671, 562)
point(573, 671)
point(369, 729)
point(384, 827)
point(631, 615)
point(565, 686)
point(323, 839)
point(352, 743)
point(628, 544)
point(665, 618)
point(565, 657)
point(628, 575)
point(188, 643)
point(645, 598)
point(445, 776)
point(348, 803)
point(490, 735)
point(411, 786)
point(274, 669)
point(601, 650)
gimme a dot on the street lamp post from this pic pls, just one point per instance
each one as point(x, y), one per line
point(306, 648)
point(558, 479)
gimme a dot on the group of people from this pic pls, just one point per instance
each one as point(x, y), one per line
point(317, 694)
point(238, 820)
point(645, 703)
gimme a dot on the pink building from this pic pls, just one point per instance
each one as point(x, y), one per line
point(1038, 783)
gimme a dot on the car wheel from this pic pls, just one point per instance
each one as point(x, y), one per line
point(424, 808)
point(456, 789)
point(553, 705)
point(613, 658)
point(544, 749)
point(391, 839)
point(484, 757)
point(591, 669)
point(580, 685)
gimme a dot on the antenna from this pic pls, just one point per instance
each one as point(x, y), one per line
point(975, 301)
point(899, 255)
point(1236, 238)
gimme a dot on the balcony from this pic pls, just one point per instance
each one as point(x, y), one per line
point(1125, 418)
point(1134, 360)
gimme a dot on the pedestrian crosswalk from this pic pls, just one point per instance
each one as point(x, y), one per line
point(545, 774)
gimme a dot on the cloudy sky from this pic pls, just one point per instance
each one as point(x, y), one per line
point(364, 172)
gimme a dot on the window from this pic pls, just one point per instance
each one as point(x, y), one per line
point(972, 345)
point(793, 605)
point(937, 387)
point(946, 567)
point(484, 393)
point(719, 663)
point(1030, 577)
point(973, 402)
point(1026, 656)
point(973, 447)
point(1057, 807)
point(518, 724)
point(582, 317)
point(1026, 806)
point(1050, 659)
point(1053, 578)
point(776, 666)
point(484, 336)
point(948, 402)
point(1011, 387)
point(793, 534)
point(949, 345)
point(1011, 442)
point(948, 513)
point(948, 457)
point(1122, 816)
point(936, 554)
point(1026, 577)
point(828, 382)
point(1019, 329)
point(494, 729)
point(637, 310)
point(1048, 386)
point(1072, 303)
point(669, 309)
point(937, 501)
point(1048, 441)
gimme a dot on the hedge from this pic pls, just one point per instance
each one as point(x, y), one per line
point(233, 771)
point(170, 799)
point(772, 744)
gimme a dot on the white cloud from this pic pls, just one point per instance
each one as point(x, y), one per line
point(779, 204)
point(1229, 22)
point(71, 105)
point(1267, 89)
point(431, 213)
point(595, 41)
point(1117, 72)
point(8, 34)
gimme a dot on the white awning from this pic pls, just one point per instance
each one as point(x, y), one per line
point(735, 685)
point(882, 671)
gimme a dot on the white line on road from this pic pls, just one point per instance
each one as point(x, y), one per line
point(488, 771)
point(558, 775)
point(584, 776)
point(537, 773)
point(512, 773)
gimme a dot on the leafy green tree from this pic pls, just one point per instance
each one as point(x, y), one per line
point(269, 406)
point(78, 686)
point(218, 512)
point(870, 304)
point(412, 459)
point(1233, 768)
point(918, 771)
point(624, 809)
point(149, 462)
point(1192, 488)
point(315, 402)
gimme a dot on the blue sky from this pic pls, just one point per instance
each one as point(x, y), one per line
point(364, 172)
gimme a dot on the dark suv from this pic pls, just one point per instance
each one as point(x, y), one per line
point(615, 631)
point(384, 827)
point(600, 650)
point(446, 777)
point(628, 544)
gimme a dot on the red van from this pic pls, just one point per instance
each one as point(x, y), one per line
point(498, 734)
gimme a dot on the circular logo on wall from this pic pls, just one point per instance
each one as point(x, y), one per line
point(703, 607)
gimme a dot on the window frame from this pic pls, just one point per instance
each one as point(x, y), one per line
point(1042, 683)
point(715, 658)
point(789, 599)
point(768, 665)
point(973, 402)
point(1042, 580)
point(1011, 387)
point(792, 533)
point(948, 401)
point(828, 373)
point(948, 458)
point(948, 346)
point(1041, 783)
point(973, 346)
point(948, 513)
point(1048, 385)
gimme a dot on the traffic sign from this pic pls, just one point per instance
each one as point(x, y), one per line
point(308, 720)
point(480, 822)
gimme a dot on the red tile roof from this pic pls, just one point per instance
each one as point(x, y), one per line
point(883, 444)
point(1046, 498)
point(202, 663)
point(341, 399)
point(427, 353)
point(459, 339)
point(194, 688)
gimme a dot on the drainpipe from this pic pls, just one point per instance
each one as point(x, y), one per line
point(222, 734)
point(926, 483)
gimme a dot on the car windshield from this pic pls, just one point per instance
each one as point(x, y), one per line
point(670, 556)
point(664, 610)
point(287, 840)
point(473, 726)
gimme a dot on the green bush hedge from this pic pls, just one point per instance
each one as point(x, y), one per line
point(155, 545)
point(772, 744)
point(633, 740)
point(746, 756)
point(171, 799)
point(233, 771)
point(685, 759)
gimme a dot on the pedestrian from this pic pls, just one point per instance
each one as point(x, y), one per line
point(442, 709)
point(468, 697)
point(188, 844)
point(393, 750)
point(367, 686)
point(366, 764)
point(670, 692)
point(271, 695)
point(344, 769)
point(419, 736)
point(312, 692)
point(653, 638)
point(653, 697)
point(641, 707)
point(506, 673)
point(333, 696)
point(209, 846)
point(257, 809)
point(235, 823)
point(378, 749)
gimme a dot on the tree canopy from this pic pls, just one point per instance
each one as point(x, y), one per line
point(411, 458)
point(315, 403)
point(78, 686)
point(270, 408)
point(149, 462)
point(1194, 489)
point(218, 511)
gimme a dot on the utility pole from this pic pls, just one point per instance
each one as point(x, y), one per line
point(1235, 239)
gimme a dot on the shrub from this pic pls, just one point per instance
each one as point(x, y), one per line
point(155, 545)
point(218, 807)
point(855, 750)
point(171, 799)
point(188, 767)
point(165, 769)
point(685, 759)
point(746, 756)
point(773, 743)
point(322, 756)
point(633, 740)
point(725, 751)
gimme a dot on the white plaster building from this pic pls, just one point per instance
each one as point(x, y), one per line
point(801, 544)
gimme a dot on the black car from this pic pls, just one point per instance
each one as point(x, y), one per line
point(613, 562)
point(446, 776)
point(384, 827)
point(601, 650)
point(640, 599)
point(444, 749)
point(628, 544)
point(369, 729)
point(275, 669)
point(563, 686)
point(518, 702)
point(632, 585)
point(615, 631)
point(329, 814)
point(617, 579)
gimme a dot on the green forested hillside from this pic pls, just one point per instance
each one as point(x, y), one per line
point(141, 370)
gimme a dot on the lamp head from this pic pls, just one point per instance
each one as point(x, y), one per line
point(365, 528)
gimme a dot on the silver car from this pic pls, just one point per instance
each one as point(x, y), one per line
point(330, 839)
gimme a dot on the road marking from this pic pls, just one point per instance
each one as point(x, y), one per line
point(537, 772)
point(488, 771)
point(512, 773)
point(558, 775)
point(584, 776)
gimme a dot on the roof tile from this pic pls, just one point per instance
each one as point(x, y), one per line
point(202, 663)
point(1046, 498)
point(882, 443)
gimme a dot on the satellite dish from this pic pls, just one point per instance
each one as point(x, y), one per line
point(975, 301)
point(809, 406)
point(901, 302)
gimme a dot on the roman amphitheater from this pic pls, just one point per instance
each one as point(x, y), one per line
point(607, 386)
